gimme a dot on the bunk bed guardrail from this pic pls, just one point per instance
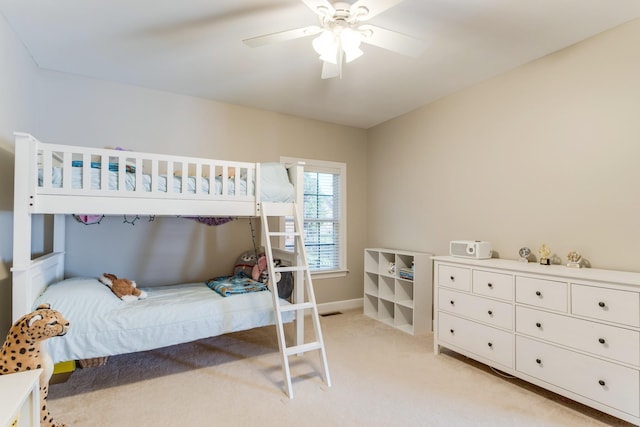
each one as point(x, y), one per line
point(62, 170)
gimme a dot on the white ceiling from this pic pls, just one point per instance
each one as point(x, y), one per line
point(194, 47)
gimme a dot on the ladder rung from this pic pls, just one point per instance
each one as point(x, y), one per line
point(303, 348)
point(299, 306)
point(284, 233)
point(291, 268)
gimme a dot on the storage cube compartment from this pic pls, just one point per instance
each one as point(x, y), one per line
point(371, 261)
point(404, 318)
point(404, 293)
point(387, 264)
point(370, 306)
point(386, 287)
point(371, 283)
point(386, 311)
point(404, 261)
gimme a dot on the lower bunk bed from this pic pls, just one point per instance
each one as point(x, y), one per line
point(104, 325)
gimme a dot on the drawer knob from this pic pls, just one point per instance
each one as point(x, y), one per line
point(490, 312)
point(538, 293)
point(453, 279)
point(490, 344)
point(452, 302)
point(490, 285)
point(601, 382)
point(451, 331)
point(538, 325)
point(601, 340)
point(602, 304)
point(539, 361)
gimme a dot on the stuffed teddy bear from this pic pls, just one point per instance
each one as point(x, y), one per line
point(124, 289)
point(244, 264)
point(23, 351)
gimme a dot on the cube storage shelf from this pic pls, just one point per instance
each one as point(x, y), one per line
point(398, 289)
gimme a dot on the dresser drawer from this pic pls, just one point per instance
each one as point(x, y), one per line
point(495, 313)
point(608, 341)
point(454, 277)
point(485, 341)
point(605, 382)
point(611, 305)
point(496, 285)
point(542, 293)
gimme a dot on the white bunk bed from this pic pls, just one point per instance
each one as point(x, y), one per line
point(61, 180)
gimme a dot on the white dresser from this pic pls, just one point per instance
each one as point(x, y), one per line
point(573, 331)
point(20, 399)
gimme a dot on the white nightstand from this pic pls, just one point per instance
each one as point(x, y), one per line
point(20, 399)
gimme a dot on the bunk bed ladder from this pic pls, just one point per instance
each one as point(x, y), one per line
point(304, 298)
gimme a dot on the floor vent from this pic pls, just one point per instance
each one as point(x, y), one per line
point(333, 313)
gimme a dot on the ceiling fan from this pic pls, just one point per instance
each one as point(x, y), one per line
point(341, 32)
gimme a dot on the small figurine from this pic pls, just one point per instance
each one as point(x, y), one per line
point(544, 253)
point(392, 268)
point(574, 259)
point(524, 253)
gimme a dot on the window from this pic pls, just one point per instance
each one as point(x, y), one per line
point(324, 210)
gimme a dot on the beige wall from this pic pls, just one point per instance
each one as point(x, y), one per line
point(547, 153)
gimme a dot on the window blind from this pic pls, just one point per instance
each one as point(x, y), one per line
point(321, 220)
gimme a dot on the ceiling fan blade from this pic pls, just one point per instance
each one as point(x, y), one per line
point(367, 9)
point(330, 70)
point(392, 40)
point(320, 7)
point(282, 36)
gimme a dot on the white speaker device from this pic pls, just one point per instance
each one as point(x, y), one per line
point(470, 249)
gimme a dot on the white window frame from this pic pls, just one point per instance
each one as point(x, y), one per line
point(339, 168)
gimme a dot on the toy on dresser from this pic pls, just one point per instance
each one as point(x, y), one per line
point(23, 350)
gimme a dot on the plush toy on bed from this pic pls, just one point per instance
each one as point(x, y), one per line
point(124, 289)
point(255, 267)
point(22, 351)
point(251, 265)
point(244, 264)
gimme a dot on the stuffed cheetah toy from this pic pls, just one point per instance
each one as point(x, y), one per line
point(22, 350)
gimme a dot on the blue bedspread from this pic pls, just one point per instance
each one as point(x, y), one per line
point(232, 285)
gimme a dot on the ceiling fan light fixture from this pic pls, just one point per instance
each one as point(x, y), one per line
point(339, 33)
point(331, 57)
point(324, 43)
point(352, 54)
point(350, 41)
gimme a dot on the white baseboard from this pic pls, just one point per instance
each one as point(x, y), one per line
point(330, 307)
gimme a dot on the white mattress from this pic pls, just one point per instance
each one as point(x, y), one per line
point(102, 325)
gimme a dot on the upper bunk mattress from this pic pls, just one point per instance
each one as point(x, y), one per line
point(101, 324)
point(274, 182)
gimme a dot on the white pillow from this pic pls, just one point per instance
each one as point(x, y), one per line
point(275, 185)
point(76, 296)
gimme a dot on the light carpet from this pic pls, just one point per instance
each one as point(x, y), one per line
point(380, 377)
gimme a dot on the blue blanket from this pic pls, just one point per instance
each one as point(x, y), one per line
point(232, 285)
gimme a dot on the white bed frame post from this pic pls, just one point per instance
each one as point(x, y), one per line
point(30, 277)
point(24, 151)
